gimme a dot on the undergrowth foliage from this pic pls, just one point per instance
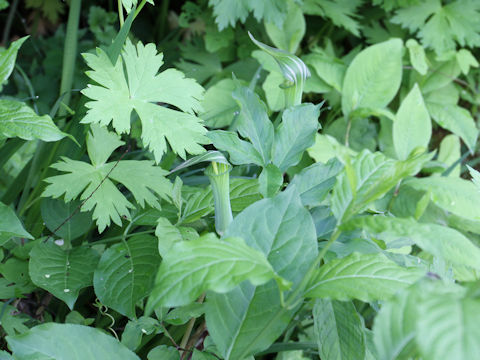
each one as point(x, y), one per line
point(240, 179)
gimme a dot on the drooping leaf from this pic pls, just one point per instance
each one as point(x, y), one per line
point(412, 127)
point(373, 77)
point(67, 341)
point(10, 225)
point(441, 241)
point(365, 277)
point(338, 330)
point(140, 88)
point(190, 268)
point(62, 272)
point(126, 272)
point(294, 135)
point(18, 120)
point(169, 234)
point(248, 319)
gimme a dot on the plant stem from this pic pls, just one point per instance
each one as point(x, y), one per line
point(188, 331)
point(70, 52)
point(120, 12)
point(8, 24)
point(140, 7)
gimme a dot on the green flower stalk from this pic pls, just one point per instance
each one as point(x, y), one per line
point(219, 176)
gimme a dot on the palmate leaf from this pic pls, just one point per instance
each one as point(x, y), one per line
point(140, 88)
point(62, 272)
point(341, 12)
point(67, 341)
point(192, 267)
point(365, 277)
point(439, 26)
point(94, 182)
point(126, 272)
point(227, 12)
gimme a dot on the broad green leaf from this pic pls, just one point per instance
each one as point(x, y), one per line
point(219, 107)
point(456, 119)
point(10, 225)
point(284, 231)
point(368, 178)
point(295, 134)
point(412, 127)
point(62, 272)
point(417, 56)
point(140, 88)
point(243, 193)
point(365, 277)
point(314, 182)
point(253, 122)
point(270, 180)
point(475, 176)
point(182, 314)
point(54, 212)
point(135, 329)
point(240, 151)
point(330, 69)
point(327, 147)
point(18, 120)
point(441, 75)
point(440, 241)
point(169, 234)
point(395, 327)
point(448, 327)
point(449, 153)
point(338, 330)
point(457, 196)
point(8, 58)
point(163, 352)
point(67, 341)
point(274, 94)
point(192, 267)
point(126, 272)
point(373, 77)
point(288, 36)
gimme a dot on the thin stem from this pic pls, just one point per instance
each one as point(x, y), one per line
point(188, 331)
point(140, 7)
point(8, 24)
point(70, 52)
point(120, 12)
